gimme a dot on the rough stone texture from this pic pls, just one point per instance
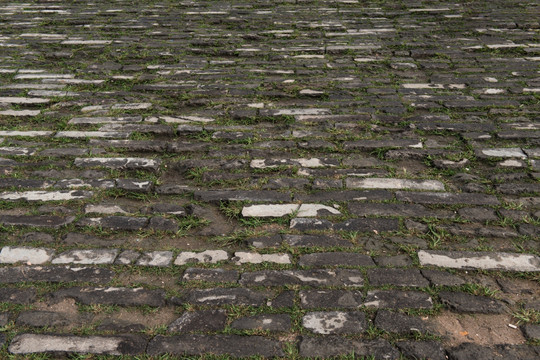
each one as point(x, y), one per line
point(233, 345)
point(303, 277)
point(208, 256)
point(393, 299)
point(399, 143)
point(422, 350)
point(16, 296)
point(86, 257)
point(30, 256)
point(335, 322)
point(270, 322)
point(335, 346)
point(113, 296)
point(310, 299)
point(477, 260)
point(399, 323)
point(55, 274)
point(335, 259)
point(463, 302)
point(113, 345)
point(210, 275)
point(207, 320)
point(397, 277)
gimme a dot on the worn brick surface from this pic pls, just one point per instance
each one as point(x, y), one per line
point(308, 178)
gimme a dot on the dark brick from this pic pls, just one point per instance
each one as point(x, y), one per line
point(223, 296)
point(303, 277)
point(210, 275)
point(431, 350)
point(346, 195)
point(315, 241)
point(54, 222)
point(335, 346)
point(408, 210)
point(368, 225)
point(335, 259)
point(55, 274)
point(397, 277)
point(463, 302)
point(113, 296)
point(446, 198)
point(400, 323)
point(163, 224)
point(395, 299)
point(284, 299)
point(215, 196)
point(17, 296)
point(442, 278)
point(205, 320)
point(270, 322)
point(312, 299)
point(233, 345)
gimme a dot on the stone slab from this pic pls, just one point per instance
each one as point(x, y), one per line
point(480, 260)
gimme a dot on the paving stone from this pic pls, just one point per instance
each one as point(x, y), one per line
point(274, 210)
point(408, 210)
point(447, 198)
point(4, 318)
point(472, 350)
point(54, 222)
point(134, 185)
point(311, 299)
point(478, 214)
point(303, 277)
point(393, 261)
point(215, 196)
point(163, 224)
point(210, 275)
point(531, 331)
point(380, 183)
point(395, 299)
point(207, 256)
point(86, 257)
point(117, 222)
point(232, 345)
point(268, 322)
point(27, 255)
point(463, 302)
point(243, 257)
point(480, 260)
point(234, 296)
point(17, 296)
point(368, 225)
point(265, 241)
point(442, 278)
point(309, 224)
point(335, 346)
point(55, 274)
point(397, 277)
point(346, 195)
point(335, 259)
point(127, 257)
point(315, 241)
point(155, 258)
point(120, 163)
point(335, 322)
point(106, 345)
point(113, 296)
point(206, 320)
point(38, 318)
point(422, 350)
point(398, 323)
